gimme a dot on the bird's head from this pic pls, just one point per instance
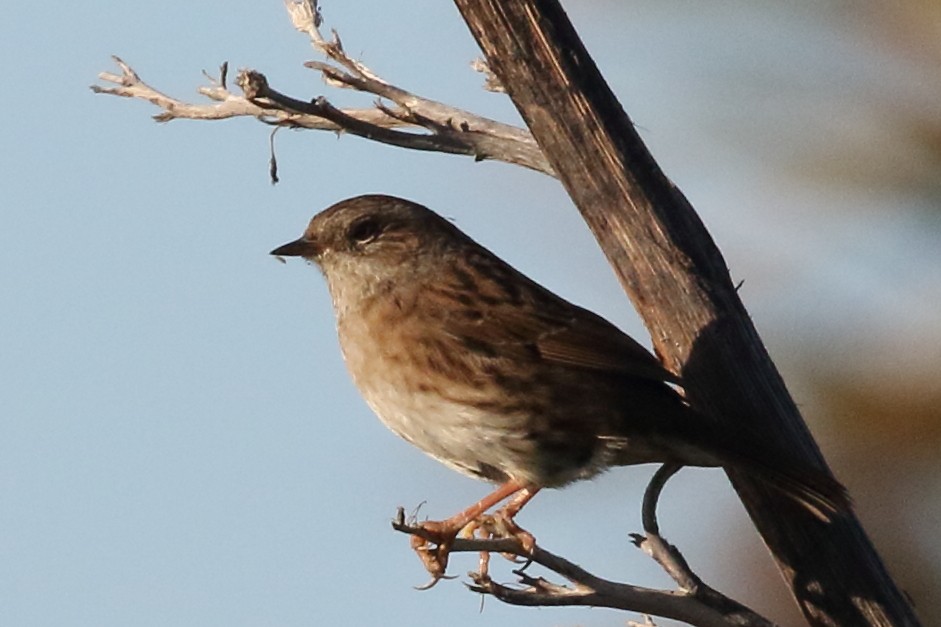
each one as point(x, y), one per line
point(368, 240)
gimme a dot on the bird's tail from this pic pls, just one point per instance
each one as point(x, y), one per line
point(687, 437)
point(812, 487)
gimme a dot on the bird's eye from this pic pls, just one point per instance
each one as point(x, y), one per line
point(364, 231)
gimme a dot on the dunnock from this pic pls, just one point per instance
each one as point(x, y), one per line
point(500, 379)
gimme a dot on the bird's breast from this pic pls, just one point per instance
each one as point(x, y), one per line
point(429, 391)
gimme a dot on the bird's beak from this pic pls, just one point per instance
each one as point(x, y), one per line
point(298, 248)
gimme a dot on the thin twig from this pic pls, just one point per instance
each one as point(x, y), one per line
point(672, 561)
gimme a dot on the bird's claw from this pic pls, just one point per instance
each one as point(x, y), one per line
point(433, 582)
point(433, 548)
point(432, 541)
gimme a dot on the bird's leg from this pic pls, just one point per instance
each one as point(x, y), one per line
point(504, 518)
point(434, 544)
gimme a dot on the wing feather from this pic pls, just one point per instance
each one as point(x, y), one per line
point(510, 310)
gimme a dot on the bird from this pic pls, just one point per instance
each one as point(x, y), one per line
point(500, 379)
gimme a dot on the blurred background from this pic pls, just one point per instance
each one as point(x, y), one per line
point(179, 441)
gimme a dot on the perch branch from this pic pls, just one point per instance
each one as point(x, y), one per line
point(695, 602)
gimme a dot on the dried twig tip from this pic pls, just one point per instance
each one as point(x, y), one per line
point(304, 14)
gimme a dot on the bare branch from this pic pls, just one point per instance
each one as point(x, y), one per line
point(442, 128)
point(129, 85)
point(695, 602)
point(482, 137)
point(587, 590)
point(257, 91)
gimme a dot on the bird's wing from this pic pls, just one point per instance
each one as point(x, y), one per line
point(589, 341)
point(533, 319)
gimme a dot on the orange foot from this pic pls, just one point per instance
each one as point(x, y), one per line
point(504, 519)
point(433, 547)
point(433, 544)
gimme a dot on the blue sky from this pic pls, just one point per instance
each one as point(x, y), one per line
point(180, 442)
